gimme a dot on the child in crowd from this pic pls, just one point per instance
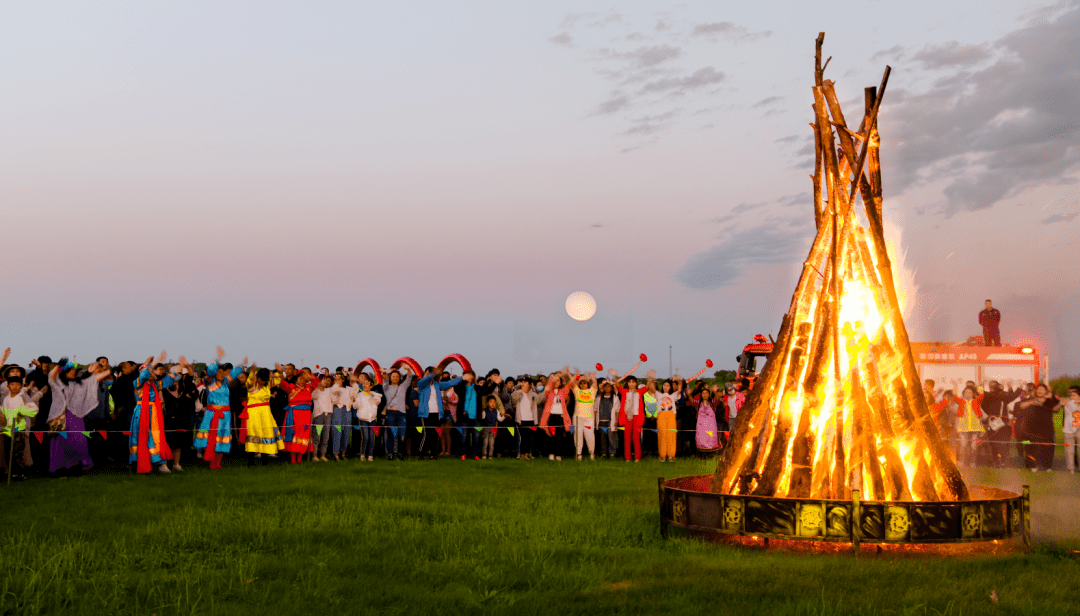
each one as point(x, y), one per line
point(666, 424)
point(606, 411)
point(584, 411)
point(493, 411)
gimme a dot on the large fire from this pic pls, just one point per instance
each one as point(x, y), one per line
point(839, 406)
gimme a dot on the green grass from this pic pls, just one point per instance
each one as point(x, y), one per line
point(453, 537)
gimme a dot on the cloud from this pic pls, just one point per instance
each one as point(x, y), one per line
point(572, 19)
point(613, 104)
point(895, 52)
point(610, 18)
point(701, 77)
point(791, 139)
point(563, 38)
point(648, 125)
point(765, 102)
point(645, 57)
point(1049, 220)
point(739, 251)
point(951, 54)
point(992, 132)
point(728, 31)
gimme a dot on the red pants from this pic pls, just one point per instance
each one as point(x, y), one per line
point(632, 435)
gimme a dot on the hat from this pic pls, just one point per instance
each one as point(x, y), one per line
point(13, 378)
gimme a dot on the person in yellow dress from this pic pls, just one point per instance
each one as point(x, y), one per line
point(263, 436)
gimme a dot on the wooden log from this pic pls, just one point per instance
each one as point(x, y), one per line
point(922, 485)
point(864, 436)
point(817, 176)
point(802, 452)
point(775, 452)
point(871, 119)
point(818, 69)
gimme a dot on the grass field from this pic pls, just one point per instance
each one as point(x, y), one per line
point(454, 537)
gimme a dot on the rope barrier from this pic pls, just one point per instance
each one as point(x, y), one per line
point(461, 429)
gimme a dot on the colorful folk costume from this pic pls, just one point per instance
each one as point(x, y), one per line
point(146, 445)
point(214, 436)
point(296, 430)
point(73, 400)
point(262, 433)
point(707, 435)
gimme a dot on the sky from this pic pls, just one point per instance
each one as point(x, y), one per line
point(329, 181)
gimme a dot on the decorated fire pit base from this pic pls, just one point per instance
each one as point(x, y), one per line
point(992, 515)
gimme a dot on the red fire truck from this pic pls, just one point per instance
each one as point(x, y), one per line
point(946, 362)
point(942, 361)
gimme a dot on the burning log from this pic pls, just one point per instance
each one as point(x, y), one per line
point(839, 405)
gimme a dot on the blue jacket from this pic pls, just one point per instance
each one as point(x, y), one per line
point(424, 389)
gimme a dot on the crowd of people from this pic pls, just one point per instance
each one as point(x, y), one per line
point(985, 422)
point(64, 418)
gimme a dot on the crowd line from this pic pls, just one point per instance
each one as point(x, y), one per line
point(62, 418)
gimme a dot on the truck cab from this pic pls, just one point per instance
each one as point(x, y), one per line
point(753, 358)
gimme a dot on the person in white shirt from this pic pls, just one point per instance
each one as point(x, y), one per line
point(322, 413)
point(341, 417)
point(1071, 427)
point(366, 403)
point(526, 402)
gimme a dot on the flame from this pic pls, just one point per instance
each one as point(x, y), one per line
point(907, 291)
point(844, 415)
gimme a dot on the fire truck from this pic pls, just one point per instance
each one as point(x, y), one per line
point(944, 362)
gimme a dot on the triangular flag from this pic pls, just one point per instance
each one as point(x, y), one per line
point(572, 428)
point(318, 429)
point(376, 429)
point(604, 429)
point(63, 434)
point(127, 433)
point(39, 436)
point(104, 434)
point(478, 428)
point(439, 432)
point(494, 432)
point(461, 431)
point(511, 429)
point(709, 432)
point(533, 428)
point(337, 427)
point(420, 429)
point(86, 434)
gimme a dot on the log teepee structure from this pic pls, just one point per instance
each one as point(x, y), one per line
point(839, 405)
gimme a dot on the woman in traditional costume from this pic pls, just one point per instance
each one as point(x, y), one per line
point(263, 436)
point(296, 431)
point(707, 435)
point(146, 445)
point(214, 436)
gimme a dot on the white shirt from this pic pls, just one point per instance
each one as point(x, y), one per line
point(433, 401)
point(1072, 418)
point(557, 405)
point(321, 402)
point(632, 399)
point(367, 405)
point(526, 407)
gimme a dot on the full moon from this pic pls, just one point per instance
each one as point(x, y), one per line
point(580, 306)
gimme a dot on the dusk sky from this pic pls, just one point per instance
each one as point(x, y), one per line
point(324, 182)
